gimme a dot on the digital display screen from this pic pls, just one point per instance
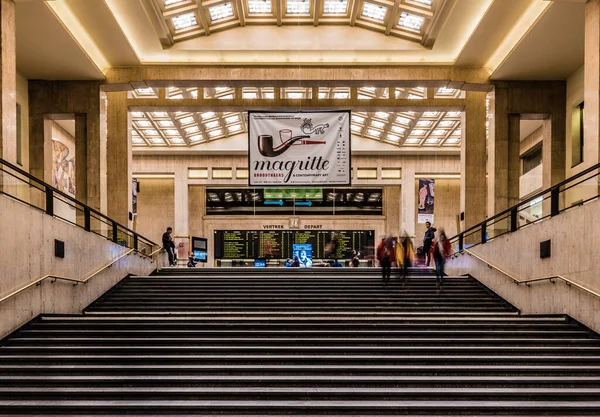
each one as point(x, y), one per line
point(260, 263)
point(200, 255)
point(279, 244)
point(304, 254)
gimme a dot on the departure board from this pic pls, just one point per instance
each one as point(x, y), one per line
point(277, 244)
point(234, 244)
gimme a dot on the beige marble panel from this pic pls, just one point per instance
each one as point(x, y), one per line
point(574, 253)
point(473, 200)
point(118, 156)
point(8, 81)
point(32, 256)
point(155, 207)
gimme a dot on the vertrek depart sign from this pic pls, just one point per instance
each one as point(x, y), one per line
point(298, 148)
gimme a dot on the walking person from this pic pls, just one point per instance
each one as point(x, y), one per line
point(441, 252)
point(408, 253)
point(383, 256)
point(428, 241)
point(169, 245)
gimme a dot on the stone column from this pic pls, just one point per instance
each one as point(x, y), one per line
point(591, 115)
point(181, 202)
point(8, 82)
point(81, 158)
point(118, 156)
point(80, 100)
point(40, 147)
point(473, 160)
point(408, 201)
point(503, 154)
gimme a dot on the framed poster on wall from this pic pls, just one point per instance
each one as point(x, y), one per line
point(426, 200)
point(299, 148)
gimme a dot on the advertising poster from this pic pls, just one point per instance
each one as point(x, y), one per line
point(304, 254)
point(426, 200)
point(298, 148)
point(134, 186)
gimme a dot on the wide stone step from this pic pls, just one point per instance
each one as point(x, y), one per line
point(411, 370)
point(398, 407)
point(114, 340)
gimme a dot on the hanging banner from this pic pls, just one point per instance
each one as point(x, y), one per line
point(299, 148)
point(426, 200)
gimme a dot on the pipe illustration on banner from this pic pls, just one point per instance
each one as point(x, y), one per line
point(426, 200)
point(298, 159)
point(265, 144)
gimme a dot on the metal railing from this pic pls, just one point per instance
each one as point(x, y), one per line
point(24, 187)
point(58, 277)
point(528, 282)
point(549, 202)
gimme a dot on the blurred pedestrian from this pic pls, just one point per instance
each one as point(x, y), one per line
point(441, 252)
point(408, 255)
point(355, 261)
point(383, 256)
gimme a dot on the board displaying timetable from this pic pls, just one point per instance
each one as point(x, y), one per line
point(277, 244)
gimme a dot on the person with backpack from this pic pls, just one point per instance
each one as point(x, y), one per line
point(441, 252)
point(384, 258)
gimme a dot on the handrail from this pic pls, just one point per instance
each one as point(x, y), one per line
point(533, 197)
point(517, 281)
point(511, 213)
point(50, 191)
point(58, 277)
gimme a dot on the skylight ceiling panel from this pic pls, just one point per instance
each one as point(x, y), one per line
point(374, 11)
point(176, 3)
point(177, 140)
point(258, 7)
point(298, 7)
point(335, 7)
point(411, 21)
point(221, 12)
point(184, 21)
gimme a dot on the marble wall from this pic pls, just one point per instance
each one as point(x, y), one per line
point(573, 236)
point(32, 233)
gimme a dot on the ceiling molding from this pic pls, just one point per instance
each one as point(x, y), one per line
point(155, 15)
point(442, 12)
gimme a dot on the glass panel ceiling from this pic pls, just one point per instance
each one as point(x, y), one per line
point(403, 129)
point(259, 6)
point(220, 12)
point(335, 7)
point(410, 16)
point(298, 6)
point(184, 21)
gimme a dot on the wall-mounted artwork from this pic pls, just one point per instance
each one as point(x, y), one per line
point(63, 167)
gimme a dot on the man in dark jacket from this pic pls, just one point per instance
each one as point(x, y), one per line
point(168, 245)
point(427, 241)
